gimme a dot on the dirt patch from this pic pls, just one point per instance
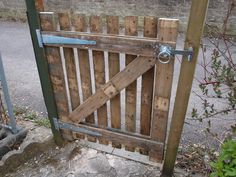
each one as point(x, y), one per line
point(195, 159)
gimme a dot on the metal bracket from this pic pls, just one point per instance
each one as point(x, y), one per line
point(62, 125)
point(167, 52)
point(50, 39)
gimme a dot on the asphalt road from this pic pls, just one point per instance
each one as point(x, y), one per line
point(23, 80)
point(20, 67)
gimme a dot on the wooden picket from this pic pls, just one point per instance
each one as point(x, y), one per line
point(131, 23)
point(56, 71)
point(150, 30)
point(114, 68)
point(167, 30)
point(99, 72)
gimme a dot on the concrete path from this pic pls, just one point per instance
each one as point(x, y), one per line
point(38, 156)
point(25, 89)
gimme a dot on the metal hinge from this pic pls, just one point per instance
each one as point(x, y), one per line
point(62, 125)
point(166, 52)
point(50, 39)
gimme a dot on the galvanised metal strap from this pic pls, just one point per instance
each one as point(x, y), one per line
point(49, 39)
point(62, 125)
point(163, 52)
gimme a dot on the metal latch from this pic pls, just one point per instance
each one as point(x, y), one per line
point(166, 52)
point(50, 39)
point(62, 125)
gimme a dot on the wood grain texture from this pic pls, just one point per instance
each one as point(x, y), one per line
point(131, 23)
point(64, 22)
point(99, 72)
point(192, 39)
point(56, 73)
point(79, 22)
point(167, 30)
point(112, 43)
point(114, 68)
point(117, 83)
point(65, 25)
point(150, 30)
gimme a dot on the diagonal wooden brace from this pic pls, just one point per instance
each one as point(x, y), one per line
point(120, 81)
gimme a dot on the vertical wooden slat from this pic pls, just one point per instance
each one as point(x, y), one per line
point(167, 31)
point(130, 108)
point(65, 24)
point(150, 30)
point(114, 68)
point(193, 39)
point(79, 22)
point(99, 71)
point(64, 21)
point(56, 72)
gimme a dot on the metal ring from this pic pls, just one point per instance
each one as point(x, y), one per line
point(164, 54)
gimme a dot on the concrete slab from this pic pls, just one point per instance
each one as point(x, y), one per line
point(37, 140)
point(38, 157)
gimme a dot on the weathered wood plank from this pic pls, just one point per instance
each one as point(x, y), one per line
point(99, 72)
point(112, 43)
point(113, 87)
point(150, 30)
point(65, 25)
point(193, 38)
point(167, 30)
point(126, 139)
point(64, 21)
point(114, 68)
point(79, 22)
point(56, 73)
point(131, 23)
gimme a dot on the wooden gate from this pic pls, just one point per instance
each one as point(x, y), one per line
point(109, 81)
point(116, 120)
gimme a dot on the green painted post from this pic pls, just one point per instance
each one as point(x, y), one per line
point(42, 66)
point(193, 38)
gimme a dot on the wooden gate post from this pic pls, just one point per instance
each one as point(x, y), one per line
point(42, 66)
point(193, 38)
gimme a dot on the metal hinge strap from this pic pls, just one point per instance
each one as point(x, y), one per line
point(50, 39)
point(62, 125)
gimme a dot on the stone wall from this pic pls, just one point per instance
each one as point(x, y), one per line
point(161, 8)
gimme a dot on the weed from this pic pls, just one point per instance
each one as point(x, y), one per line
point(225, 166)
point(28, 115)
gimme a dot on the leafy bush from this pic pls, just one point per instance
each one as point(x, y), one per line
point(219, 72)
point(225, 166)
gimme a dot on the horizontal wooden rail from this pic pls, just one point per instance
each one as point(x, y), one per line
point(113, 43)
point(125, 138)
point(135, 134)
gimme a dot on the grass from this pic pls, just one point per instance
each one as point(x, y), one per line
point(32, 116)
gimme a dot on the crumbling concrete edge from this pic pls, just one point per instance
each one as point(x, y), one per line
point(31, 147)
